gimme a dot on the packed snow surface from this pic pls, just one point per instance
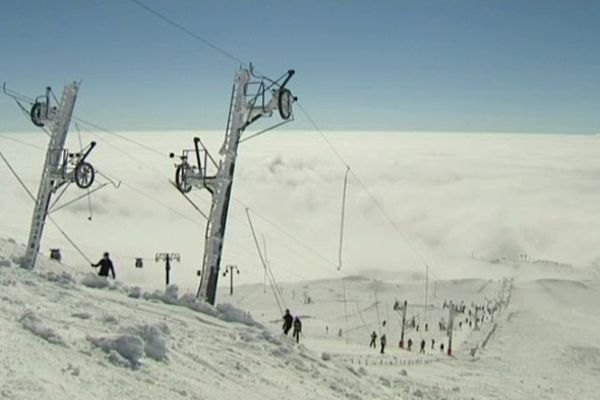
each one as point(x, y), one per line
point(62, 339)
point(485, 212)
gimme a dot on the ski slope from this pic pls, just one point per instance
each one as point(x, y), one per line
point(54, 328)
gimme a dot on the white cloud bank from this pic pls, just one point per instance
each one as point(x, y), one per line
point(453, 196)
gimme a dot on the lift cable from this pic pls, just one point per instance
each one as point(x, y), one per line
point(188, 32)
point(289, 235)
point(62, 232)
point(113, 180)
point(374, 200)
point(33, 146)
point(340, 249)
point(274, 288)
point(123, 137)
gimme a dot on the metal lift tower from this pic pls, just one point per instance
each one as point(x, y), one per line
point(61, 167)
point(253, 97)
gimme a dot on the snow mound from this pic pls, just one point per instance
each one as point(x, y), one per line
point(134, 292)
point(4, 262)
point(154, 343)
point(62, 278)
point(169, 296)
point(92, 280)
point(36, 326)
point(81, 315)
point(128, 347)
point(230, 313)
point(190, 301)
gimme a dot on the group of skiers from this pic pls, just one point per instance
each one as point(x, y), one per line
point(290, 322)
point(382, 341)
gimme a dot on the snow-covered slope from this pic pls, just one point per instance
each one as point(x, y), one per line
point(60, 339)
point(65, 335)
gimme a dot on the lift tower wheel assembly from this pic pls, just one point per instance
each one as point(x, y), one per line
point(253, 97)
point(61, 168)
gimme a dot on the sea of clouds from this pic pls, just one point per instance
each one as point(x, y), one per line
point(452, 198)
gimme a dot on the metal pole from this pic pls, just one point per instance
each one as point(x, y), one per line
point(403, 324)
point(345, 308)
point(266, 262)
point(51, 173)
point(450, 327)
point(221, 194)
point(167, 268)
point(426, 289)
point(231, 280)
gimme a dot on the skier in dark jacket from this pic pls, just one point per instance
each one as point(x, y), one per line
point(422, 350)
point(287, 322)
point(297, 329)
point(105, 265)
point(373, 343)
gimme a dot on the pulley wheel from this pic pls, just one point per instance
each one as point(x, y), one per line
point(36, 114)
point(84, 175)
point(181, 175)
point(285, 103)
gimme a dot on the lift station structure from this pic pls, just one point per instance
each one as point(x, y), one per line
point(252, 97)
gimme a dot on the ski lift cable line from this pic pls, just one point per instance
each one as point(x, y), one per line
point(188, 32)
point(20, 142)
point(62, 232)
point(160, 173)
point(142, 193)
point(274, 288)
point(362, 184)
point(183, 216)
point(152, 198)
point(123, 137)
point(291, 236)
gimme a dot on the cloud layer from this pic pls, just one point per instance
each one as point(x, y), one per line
point(452, 197)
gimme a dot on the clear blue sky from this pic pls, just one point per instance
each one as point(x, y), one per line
point(525, 66)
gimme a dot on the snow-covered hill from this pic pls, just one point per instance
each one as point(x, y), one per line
point(60, 339)
point(66, 335)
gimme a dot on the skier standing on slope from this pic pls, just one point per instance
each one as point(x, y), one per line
point(105, 265)
point(373, 343)
point(287, 322)
point(383, 343)
point(422, 350)
point(297, 329)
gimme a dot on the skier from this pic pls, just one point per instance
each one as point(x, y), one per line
point(105, 265)
point(297, 329)
point(432, 344)
point(422, 350)
point(373, 343)
point(383, 343)
point(409, 344)
point(287, 322)
point(442, 347)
